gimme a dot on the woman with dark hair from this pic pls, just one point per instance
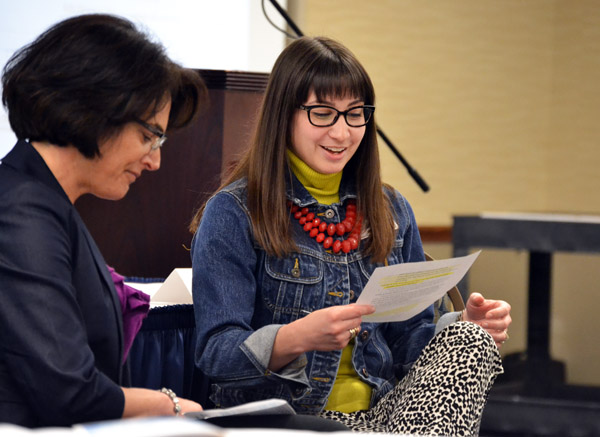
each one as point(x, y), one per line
point(283, 249)
point(90, 101)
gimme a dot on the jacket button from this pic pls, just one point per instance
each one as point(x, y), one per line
point(351, 295)
point(296, 272)
point(364, 372)
point(329, 214)
point(364, 335)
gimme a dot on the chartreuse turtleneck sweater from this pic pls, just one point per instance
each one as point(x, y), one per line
point(349, 392)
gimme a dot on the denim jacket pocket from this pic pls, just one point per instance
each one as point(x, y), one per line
point(396, 256)
point(291, 286)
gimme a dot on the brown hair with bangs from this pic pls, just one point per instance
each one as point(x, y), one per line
point(329, 69)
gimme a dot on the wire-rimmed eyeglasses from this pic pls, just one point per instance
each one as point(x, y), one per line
point(161, 137)
point(324, 116)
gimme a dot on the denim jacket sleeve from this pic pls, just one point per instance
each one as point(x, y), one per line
point(224, 259)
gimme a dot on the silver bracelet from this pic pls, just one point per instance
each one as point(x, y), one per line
point(174, 398)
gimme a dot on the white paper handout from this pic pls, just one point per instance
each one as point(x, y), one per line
point(266, 406)
point(402, 291)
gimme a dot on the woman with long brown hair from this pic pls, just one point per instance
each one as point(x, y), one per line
point(283, 249)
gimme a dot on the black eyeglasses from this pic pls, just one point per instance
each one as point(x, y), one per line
point(161, 137)
point(323, 116)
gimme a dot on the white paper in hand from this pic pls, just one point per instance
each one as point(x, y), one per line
point(402, 291)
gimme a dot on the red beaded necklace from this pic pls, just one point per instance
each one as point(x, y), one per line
point(317, 228)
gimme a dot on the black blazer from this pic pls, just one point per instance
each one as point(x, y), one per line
point(61, 336)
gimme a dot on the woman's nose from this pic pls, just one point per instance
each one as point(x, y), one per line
point(152, 160)
point(340, 129)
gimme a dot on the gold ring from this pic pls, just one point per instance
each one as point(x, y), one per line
point(353, 332)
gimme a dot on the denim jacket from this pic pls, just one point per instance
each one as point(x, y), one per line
point(242, 296)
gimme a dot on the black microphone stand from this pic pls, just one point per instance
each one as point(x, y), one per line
point(413, 173)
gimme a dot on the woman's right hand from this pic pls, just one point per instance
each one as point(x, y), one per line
point(326, 329)
point(329, 328)
point(188, 406)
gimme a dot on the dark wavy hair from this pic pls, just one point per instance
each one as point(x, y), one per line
point(86, 77)
point(329, 69)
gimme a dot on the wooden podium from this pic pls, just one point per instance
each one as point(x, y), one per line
point(145, 234)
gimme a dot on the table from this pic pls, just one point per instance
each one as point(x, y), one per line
point(162, 354)
point(541, 235)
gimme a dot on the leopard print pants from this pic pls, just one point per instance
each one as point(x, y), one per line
point(444, 392)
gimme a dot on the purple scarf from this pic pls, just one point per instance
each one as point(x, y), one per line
point(134, 305)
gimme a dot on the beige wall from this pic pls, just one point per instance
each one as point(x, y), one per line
point(497, 104)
